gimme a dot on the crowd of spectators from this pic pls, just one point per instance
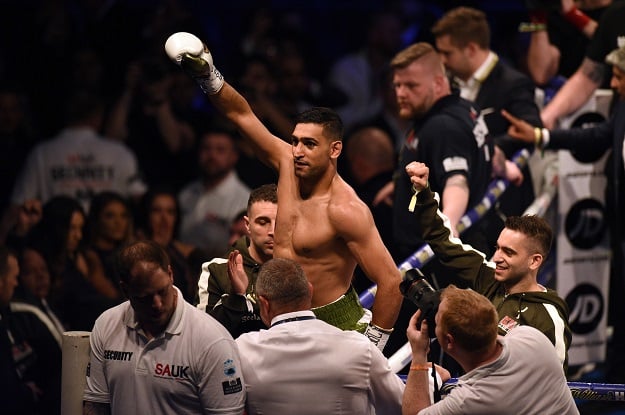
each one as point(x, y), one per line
point(282, 56)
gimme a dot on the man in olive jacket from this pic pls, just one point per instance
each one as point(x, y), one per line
point(226, 285)
point(509, 281)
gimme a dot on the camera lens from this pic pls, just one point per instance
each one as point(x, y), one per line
point(417, 289)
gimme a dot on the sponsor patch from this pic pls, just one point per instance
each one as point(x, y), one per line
point(229, 368)
point(507, 323)
point(455, 163)
point(232, 386)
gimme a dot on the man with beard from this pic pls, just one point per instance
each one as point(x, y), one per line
point(447, 134)
point(209, 204)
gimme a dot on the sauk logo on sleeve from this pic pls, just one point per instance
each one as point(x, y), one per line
point(231, 384)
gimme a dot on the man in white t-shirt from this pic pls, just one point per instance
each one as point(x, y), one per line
point(209, 204)
point(78, 162)
point(156, 353)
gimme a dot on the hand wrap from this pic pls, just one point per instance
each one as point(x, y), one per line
point(378, 335)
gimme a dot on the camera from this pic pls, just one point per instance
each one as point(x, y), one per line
point(417, 289)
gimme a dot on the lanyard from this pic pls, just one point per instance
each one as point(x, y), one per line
point(286, 320)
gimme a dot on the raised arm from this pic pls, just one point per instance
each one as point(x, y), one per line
point(460, 259)
point(193, 56)
point(543, 58)
point(574, 93)
point(455, 197)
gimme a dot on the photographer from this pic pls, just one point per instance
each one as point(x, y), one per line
point(509, 280)
point(503, 374)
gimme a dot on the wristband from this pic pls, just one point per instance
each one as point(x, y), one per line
point(540, 134)
point(538, 137)
point(378, 335)
point(201, 69)
point(532, 27)
point(537, 23)
point(423, 366)
point(577, 18)
point(544, 140)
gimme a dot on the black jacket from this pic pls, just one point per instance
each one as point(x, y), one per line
point(507, 88)
point(39, 358)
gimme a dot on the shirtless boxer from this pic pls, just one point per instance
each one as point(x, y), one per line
point(321, 223)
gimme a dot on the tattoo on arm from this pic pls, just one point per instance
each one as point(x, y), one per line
point(593, 70)
point(95, 408)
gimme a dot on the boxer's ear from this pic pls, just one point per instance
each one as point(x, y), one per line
point(336, 147)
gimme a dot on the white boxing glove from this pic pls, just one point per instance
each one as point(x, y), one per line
point(193, 56)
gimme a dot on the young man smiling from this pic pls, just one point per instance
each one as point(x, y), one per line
point(509, 281)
